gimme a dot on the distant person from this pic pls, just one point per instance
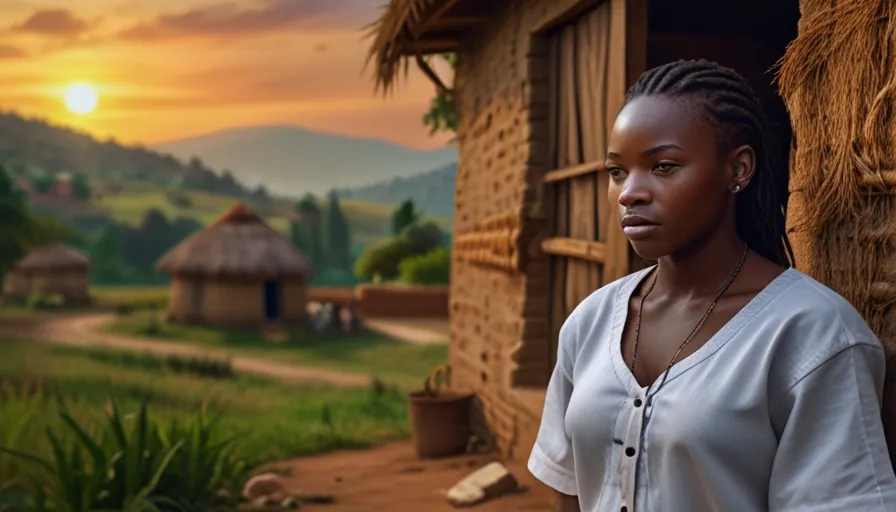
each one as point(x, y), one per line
point(720, 379)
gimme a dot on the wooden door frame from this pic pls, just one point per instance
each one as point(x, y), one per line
point(554, 247)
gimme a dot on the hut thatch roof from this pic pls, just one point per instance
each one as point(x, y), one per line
point(54, 256)
point(412, 28)
point(238, 245)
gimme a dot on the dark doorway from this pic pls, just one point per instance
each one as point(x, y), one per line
point(272, 300)
point(747, 36)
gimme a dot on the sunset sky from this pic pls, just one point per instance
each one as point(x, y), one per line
point(167, 69)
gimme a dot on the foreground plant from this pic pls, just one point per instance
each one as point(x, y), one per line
point(175, 467)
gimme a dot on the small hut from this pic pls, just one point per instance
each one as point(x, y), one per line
point(236, 272)
point(537, 88)
point(55, 268)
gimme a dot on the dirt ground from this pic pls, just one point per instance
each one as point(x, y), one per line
point(391, 478)
point(86, 331)
point(412, 330)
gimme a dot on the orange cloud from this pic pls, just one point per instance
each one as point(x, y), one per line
point(226, 19)
point(55, 23)
point(8, 51)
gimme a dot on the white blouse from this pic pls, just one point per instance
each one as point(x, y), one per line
point(778, 411)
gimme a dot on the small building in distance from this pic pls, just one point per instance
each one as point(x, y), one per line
point(55, 268)
point(238, 271)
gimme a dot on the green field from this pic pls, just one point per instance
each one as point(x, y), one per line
point(370, 222)
point(273, 420)
point(402, 364)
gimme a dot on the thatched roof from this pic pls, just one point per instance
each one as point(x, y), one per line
point(239, 245)
point(53, 257)
point(410, 28)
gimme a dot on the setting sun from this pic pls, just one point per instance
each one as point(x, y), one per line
point(81, 98)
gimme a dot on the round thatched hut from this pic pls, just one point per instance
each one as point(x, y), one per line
point(54, 268)
point(237, 271)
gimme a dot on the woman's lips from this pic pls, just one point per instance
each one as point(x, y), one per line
point(637, 227)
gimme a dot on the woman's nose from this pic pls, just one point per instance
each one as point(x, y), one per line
point(634, 191)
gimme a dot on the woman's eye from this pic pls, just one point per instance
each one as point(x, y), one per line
point(615, 172)
point(664, 167)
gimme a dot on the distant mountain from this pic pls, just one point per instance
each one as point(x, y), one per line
point(35, 146)
point(432, 191)
point(292, 160)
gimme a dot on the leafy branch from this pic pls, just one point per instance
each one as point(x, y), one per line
point(442, 113)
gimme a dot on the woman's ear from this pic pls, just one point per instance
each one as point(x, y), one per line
point(743, 166)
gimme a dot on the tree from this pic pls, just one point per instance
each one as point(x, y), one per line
point(43, 230)
point(442, 113)
point(338, 240)
point(306, 231)
point(43, 182)
point(14, 226)
point(107, 258)
point(383, 259)
point(403, 216)
point(422, 238)
point(81, 187)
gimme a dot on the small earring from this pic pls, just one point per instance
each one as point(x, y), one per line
point(735, 189)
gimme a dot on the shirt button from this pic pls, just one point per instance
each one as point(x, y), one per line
point(630, 451)
point(638, 402)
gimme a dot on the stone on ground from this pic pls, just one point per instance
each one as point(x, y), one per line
point(266, 484)
point(488, 482)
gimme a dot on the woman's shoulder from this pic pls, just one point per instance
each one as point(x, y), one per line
point(807, 324)
point(807, 303)
point(598, 312)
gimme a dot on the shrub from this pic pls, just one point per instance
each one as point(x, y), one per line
point(432, 268)
point(178, 466)
point(124, 309)
point(423, 238)
point(43, 300)
point(383, 259)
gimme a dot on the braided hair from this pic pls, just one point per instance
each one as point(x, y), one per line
point(731, 106)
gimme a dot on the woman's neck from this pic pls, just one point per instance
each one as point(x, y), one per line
point(700, 269)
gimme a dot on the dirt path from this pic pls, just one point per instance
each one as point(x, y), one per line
point(391, 477)
point(84, 331)
point(407, 331)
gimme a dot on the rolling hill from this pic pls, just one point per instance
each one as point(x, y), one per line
point(432, 191)
point(32, 145)
point(293, 160)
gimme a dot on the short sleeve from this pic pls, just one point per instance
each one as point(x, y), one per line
point(551, 460)
point(832, 455)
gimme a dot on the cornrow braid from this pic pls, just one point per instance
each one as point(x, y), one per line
point(731, 106)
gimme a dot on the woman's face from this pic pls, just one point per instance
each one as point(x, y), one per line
point(667, 176)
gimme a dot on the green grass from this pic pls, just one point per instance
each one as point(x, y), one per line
point(403, 364)
point(135, 296)
point(370, 222)
point(276, 420)
point(20, 315)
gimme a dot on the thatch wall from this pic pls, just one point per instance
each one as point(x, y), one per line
point(839, 81)
point(231, 302)
point(73, 285)
point(54, 268)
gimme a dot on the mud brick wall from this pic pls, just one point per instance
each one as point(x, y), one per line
point(499, 312)
point(402, 301)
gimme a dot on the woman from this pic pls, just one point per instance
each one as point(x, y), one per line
point(720, 379)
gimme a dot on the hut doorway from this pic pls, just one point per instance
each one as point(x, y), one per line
point(195, 290)
point(273, 294)
point(593, 57)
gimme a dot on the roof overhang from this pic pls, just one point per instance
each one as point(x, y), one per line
point(415, 28)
